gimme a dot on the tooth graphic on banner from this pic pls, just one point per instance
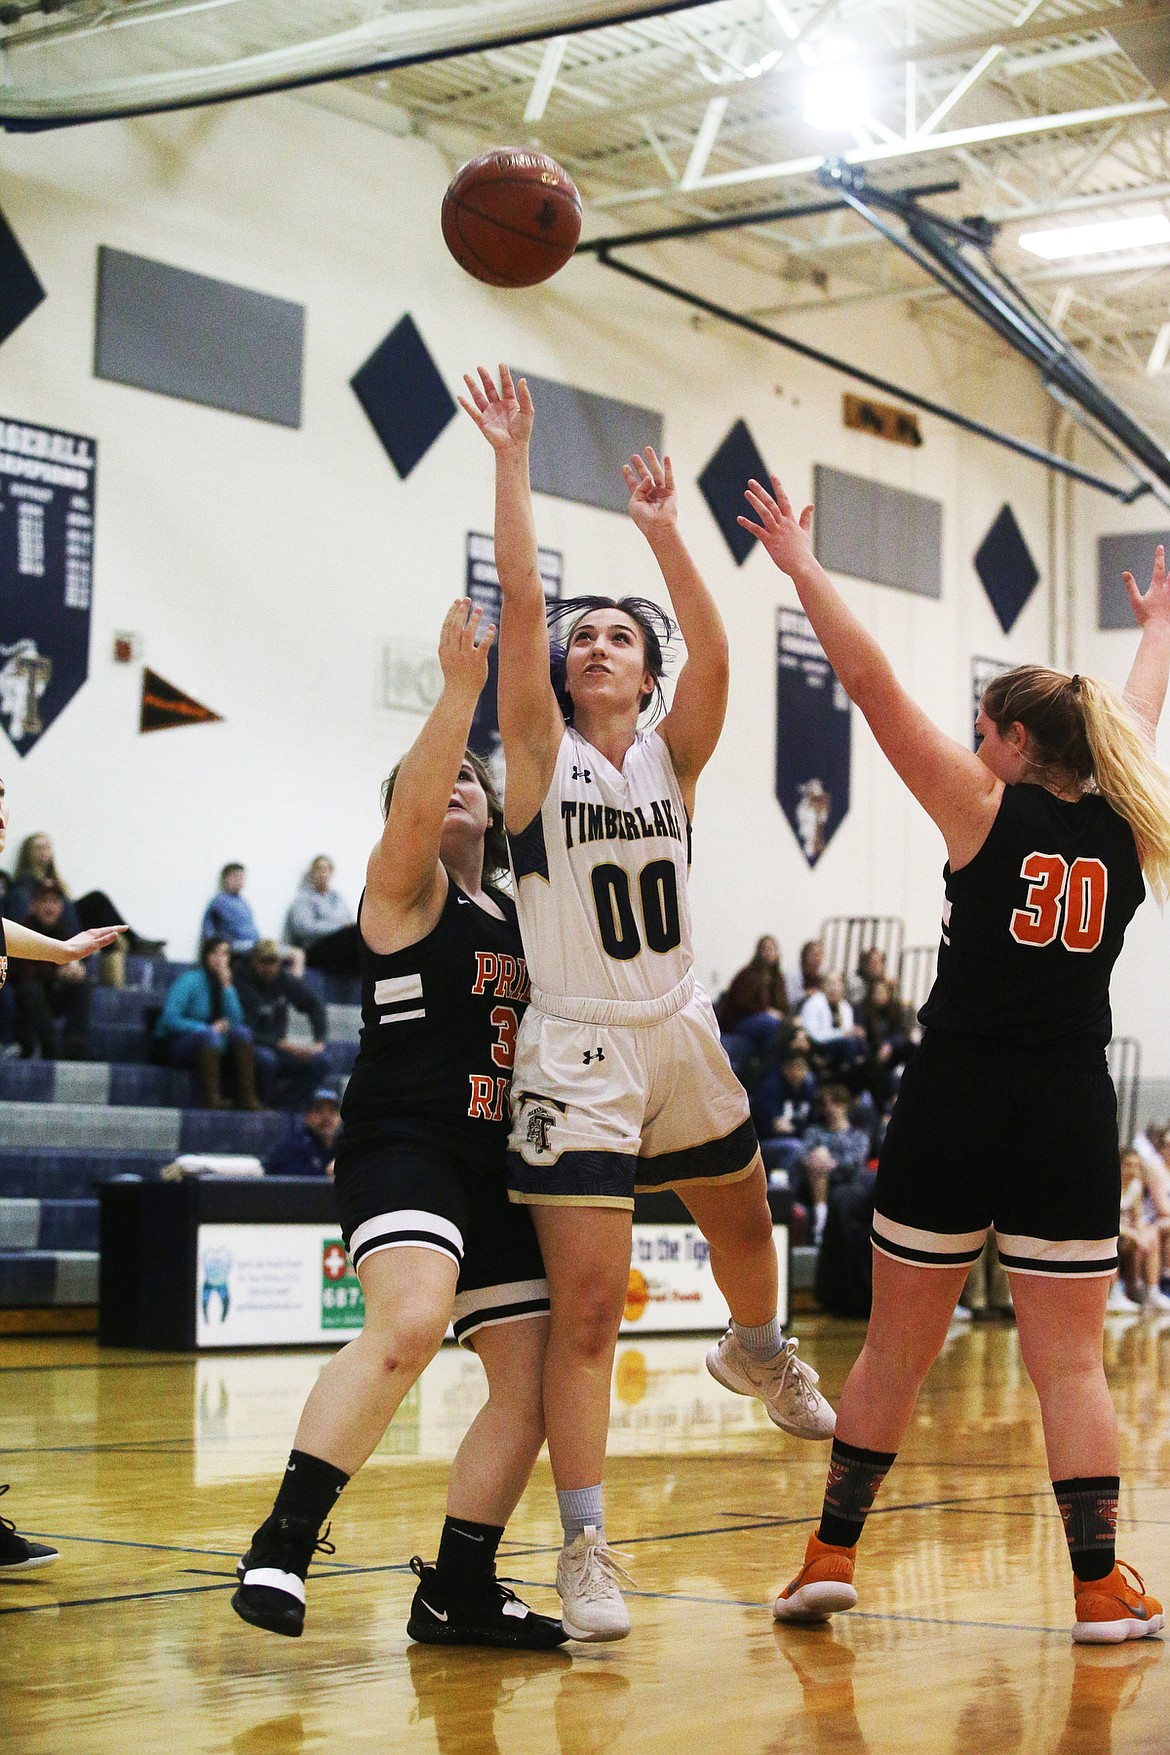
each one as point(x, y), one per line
point(164, 706)
point(46, 574)
point(813, 728)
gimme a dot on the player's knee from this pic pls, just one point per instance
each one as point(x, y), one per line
point(590, 1328)
point(410, 1342)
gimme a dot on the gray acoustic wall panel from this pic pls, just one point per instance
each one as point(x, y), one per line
point(581, 441)
point(181, 334)
point(1133, 553)
point(872, 531)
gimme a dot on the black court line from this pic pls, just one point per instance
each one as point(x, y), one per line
point(140, 1596)
point(164, 1548)
point(175, 1446)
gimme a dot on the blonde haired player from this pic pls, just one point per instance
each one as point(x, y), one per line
point(620, 1078)
point(1048, 829)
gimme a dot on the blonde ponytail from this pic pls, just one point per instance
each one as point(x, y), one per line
point(1129, 775)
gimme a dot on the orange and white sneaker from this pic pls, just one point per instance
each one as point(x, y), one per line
point(1110, 1609)
point(822, 1587)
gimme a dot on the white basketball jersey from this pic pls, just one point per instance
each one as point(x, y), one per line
point(601, 876)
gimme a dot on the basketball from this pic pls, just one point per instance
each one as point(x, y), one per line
point(511, 217)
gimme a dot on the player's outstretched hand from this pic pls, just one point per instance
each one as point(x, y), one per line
point(84, 944)
point(653, 502)
point(504, 416)
point(463, 648)
point(1152, 605)
point(785, 536)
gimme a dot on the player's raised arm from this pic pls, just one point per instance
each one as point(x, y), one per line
point(1145, 690)
point(403, 875)
point(531, 724)
point(691, 728)
point(22, 941)
point(957, 791)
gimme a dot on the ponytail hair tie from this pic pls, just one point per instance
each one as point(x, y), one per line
point(1076, 683)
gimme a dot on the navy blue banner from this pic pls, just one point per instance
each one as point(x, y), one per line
point(813, 719)
point(47, 484)
point(483, 588)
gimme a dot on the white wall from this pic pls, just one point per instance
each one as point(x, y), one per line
point(266, 568)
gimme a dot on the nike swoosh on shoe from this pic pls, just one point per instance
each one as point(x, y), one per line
point(434, 1612)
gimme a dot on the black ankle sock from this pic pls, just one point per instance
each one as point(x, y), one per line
point(467, 1552)
point(854, 1478)
point(309, 1490)
point(1088, 1506)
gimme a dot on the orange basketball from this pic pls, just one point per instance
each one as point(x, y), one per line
point(512, 217)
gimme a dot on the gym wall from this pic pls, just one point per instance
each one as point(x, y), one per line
point(266, 568)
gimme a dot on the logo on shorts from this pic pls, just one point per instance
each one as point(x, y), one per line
point(592, 1054)
point(540, 1123)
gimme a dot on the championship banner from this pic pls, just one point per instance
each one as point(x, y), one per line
point(813, 720)
point(483, 588)
point(983, 671)
point(46, 574)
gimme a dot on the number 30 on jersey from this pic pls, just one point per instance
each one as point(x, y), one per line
point(1063, 901)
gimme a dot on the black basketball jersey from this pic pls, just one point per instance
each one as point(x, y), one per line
point(1033, 925)
point(439, 1024)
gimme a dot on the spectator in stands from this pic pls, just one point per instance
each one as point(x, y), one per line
point(228, 914)
point(839, 1043)
point(871, 967)
point(309, 1146)
point(1145, 1216)
point(758, 986)
point(202, 1021)
point(807, 978)
point(835, 1151)
point(317, 909)
point(889, 1032)
point(37, 863)
point(782, 1109)
point(52, 999)
point(287, 1070)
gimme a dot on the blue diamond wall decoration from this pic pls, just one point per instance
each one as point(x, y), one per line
point(404, 396)
point(1005, 566)
point(723, 481)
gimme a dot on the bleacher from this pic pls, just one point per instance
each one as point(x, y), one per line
point(67, 1126)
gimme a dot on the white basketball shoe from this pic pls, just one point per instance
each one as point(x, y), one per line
point(592, 1606)
point(785, 1384)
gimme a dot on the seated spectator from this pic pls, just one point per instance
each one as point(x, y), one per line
point(317, 910)
point(890, 1033)
point(758, 986)
point(287, 1071)
point(835, 1151)
point(782, 1109)
point(310, 1145)
point(839, 1044)
point(806, 978)
point(871, 967)
point(1145, 1218)
point(36, 863)
point(52, 999)
point(202, 1021)
point(228, 915)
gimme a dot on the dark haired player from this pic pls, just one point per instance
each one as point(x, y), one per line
point(621, 1079)
point(421, 1192)
point(1049, 830)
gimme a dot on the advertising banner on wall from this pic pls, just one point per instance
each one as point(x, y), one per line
point(483, 588)
point(813, 726)
point(46, 574)
point(292, 1285)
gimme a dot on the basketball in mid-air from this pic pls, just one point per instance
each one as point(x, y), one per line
point(512, 217)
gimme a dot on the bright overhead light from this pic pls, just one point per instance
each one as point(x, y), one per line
point(1160, 351)
point(1092, 240)
point(836, 98)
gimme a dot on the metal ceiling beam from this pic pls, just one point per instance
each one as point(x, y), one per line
point(755, 216)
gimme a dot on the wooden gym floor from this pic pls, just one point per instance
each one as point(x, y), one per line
point(150, 1473)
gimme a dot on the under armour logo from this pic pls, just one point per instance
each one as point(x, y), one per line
point(592, 1054)
point(582, 774)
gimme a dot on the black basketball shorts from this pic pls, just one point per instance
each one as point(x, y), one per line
point(1022, 1140)
point(418, 1185)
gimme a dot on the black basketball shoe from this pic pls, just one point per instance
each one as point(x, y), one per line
point(490, 1615)
point(17, 1553)
point(272, 1574)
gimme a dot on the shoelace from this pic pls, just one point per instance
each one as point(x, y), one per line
point(5, 1523)
point(291, 1552)
point(1134, 1574)
point(602, 1569)
point(803, 1376)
